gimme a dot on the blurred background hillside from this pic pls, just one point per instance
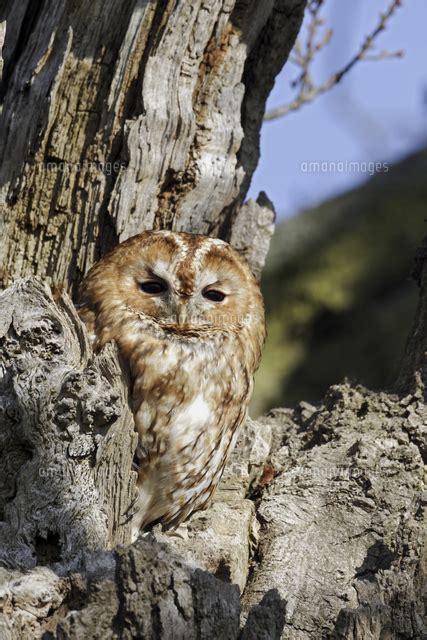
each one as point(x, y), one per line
point(338, 291)
point(337, 285)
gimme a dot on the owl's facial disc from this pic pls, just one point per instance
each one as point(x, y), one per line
point(196, 285)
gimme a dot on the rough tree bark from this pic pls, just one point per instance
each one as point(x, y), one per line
point(119, 118)
point(318, 519)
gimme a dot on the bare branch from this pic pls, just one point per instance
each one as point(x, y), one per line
point(308, 90)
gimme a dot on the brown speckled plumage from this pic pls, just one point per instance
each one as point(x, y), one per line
point(191, 359)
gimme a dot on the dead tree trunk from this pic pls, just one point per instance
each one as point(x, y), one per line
point(119, 117)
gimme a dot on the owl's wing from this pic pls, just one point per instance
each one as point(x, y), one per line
point(87, 316)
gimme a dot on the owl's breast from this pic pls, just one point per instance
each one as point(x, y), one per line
point(189, 401)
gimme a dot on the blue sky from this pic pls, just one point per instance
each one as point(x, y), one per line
point(377, 114)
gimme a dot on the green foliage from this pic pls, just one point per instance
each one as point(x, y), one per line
point(338, 290)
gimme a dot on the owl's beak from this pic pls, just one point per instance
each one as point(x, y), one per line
point(182, 316)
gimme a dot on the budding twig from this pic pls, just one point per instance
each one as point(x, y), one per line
point(308, 90)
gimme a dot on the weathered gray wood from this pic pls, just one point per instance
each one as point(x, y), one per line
point(336, 541)
point(67, 434)
point(144, 591)
point(149, 118)
point(342, 527)
point(252, 231)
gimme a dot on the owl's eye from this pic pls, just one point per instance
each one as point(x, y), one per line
point(214, 295)
point(153, 287)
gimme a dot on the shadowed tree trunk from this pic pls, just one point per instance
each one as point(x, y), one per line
point(118, 117)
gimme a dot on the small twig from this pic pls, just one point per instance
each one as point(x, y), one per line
point(384, 55)
point(307, 89)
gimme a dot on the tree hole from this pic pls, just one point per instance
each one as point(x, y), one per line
point(48, 550)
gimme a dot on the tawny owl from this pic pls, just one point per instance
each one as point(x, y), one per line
point(188, 317)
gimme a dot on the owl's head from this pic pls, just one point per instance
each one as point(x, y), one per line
point(182, 282)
